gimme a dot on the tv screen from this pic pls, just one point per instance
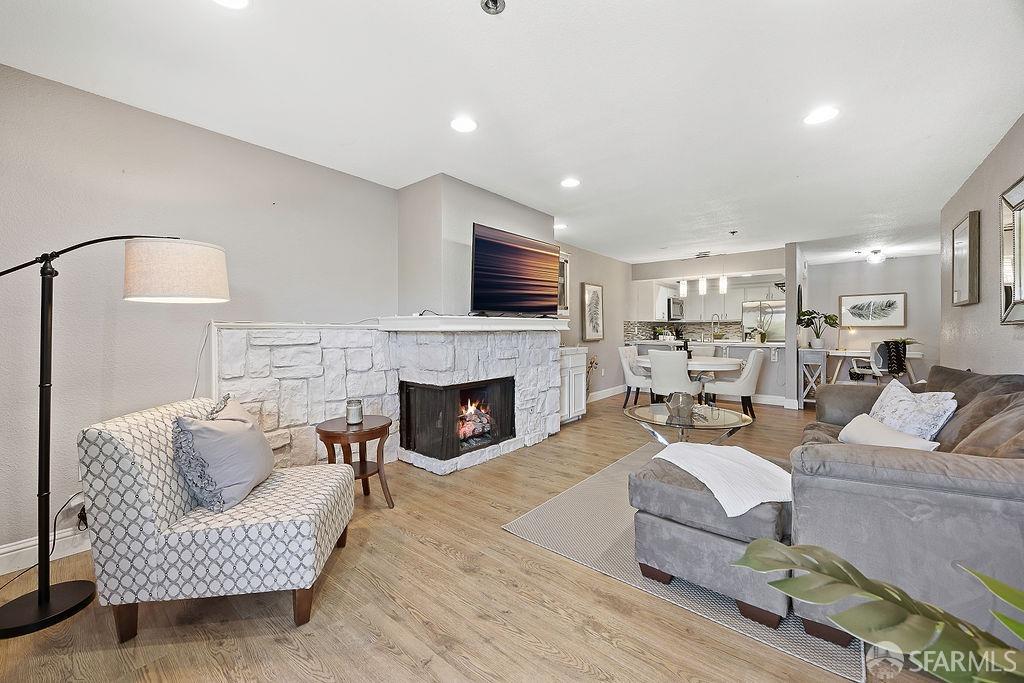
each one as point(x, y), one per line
point(513, 274)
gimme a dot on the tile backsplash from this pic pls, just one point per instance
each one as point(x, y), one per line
point(634, 330)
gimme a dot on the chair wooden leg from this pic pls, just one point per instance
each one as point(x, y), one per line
point(636, 395)
point(625, 401)
point(302, 605)
point(654, 574)
point(126, 621)
point(750, 407)
point(343, 538)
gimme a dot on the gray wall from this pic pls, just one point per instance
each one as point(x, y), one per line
point(971, 335)
point(915, 275)
point(436, 239)
point(303, 243)
point(614, 276)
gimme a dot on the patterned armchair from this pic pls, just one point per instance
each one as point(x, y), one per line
point(151, 541)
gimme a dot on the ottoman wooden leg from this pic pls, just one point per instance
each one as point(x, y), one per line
point(826, 632)
point(761, 616)
point(655, 574)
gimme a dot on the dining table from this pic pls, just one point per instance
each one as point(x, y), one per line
point(701, 363)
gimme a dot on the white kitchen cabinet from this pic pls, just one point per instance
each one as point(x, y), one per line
point(734, 298)
point(573, 371)
point(649, 301)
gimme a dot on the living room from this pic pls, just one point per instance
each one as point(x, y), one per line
point(501, 311)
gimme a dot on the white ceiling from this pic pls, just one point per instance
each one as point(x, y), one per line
point(681, 117)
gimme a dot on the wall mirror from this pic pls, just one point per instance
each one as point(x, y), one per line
point(965, 260)
point(1011, 215)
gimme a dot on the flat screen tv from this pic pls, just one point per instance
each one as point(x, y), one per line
point(513, 274)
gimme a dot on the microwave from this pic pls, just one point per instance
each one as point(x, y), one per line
point(675, 308)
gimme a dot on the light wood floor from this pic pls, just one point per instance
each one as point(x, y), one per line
point(433, 590)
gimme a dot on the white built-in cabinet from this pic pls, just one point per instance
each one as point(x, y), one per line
point(573, 397)
point(649, 300)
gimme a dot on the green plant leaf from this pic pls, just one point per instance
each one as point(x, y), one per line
point(998, 677)
point(1005, 592)
point(1016, 627)
point(818, 589)
point(884, 622)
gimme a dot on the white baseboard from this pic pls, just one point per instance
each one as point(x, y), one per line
point(605, 393)
point(791, 404)
point(762, 399)
point(20, 554)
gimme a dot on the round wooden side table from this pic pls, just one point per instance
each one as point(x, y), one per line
point(339, 432)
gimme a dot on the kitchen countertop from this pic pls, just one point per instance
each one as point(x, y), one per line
point(717, 342)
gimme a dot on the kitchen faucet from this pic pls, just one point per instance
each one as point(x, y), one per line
point(716, 326)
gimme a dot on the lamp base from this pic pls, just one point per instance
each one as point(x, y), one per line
point(25, 615)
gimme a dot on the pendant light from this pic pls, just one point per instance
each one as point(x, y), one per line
point(682, 289)
point(702, 285)
point(723, 282)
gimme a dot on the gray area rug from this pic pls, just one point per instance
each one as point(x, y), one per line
point(592, 524)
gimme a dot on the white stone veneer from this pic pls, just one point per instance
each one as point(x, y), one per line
point(292, 378)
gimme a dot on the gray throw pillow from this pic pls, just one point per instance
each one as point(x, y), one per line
point(223, 456)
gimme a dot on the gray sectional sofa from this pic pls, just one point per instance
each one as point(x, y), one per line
point(907, 517)
point(911, 517)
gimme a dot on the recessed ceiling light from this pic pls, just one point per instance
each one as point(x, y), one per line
point(876, 256)
point(571, 182)
point(233, 4)
point(463, 124)
point(821, 115)
point(560, 226)
point(747, 275)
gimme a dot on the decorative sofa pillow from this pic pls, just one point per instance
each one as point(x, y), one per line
point(223, 456)
point(922, 415)
point(1000, 436)
point(865, 430)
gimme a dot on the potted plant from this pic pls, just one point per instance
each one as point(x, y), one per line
point(764, 320)
point(816, 322)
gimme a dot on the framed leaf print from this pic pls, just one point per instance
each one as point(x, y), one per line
point(873, 310)
point(593, 312)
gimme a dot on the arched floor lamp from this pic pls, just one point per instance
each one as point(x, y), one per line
point(156, 269)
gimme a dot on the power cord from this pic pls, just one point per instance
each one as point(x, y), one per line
point(199, 358)
point(53, 544)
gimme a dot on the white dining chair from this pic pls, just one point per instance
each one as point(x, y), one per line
point(877, 363)
point(636, 378)
point(669, 374)
point(703, 349)
point(744, 386)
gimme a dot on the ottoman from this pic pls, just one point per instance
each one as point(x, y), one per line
point(681, 530)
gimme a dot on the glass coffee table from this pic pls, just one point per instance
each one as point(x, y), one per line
point(701, 417)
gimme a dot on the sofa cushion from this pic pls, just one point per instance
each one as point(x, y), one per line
point(967, 386)
point(1000, 436)
point(865, 430)
point(971, 416)
point(664, 490)
point(821, 432)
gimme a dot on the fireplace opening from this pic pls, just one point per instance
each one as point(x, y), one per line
point(444, 422)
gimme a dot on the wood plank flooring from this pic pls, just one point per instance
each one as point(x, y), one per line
point(433, 590)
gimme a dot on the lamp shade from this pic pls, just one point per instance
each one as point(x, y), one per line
point(175, 271)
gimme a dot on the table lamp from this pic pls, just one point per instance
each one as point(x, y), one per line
point(156, 269)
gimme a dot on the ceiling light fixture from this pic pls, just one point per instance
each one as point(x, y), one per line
point(683, 287)
point(876, 256)
point(702, 285)
point(492, 6)
point(723, 285)
point(747, 275)
point(560, 226)
point(821, 115)
point(233, 4)
point(463, 124)
point(571, 182)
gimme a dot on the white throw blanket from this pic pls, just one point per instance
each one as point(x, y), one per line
point(739, 479)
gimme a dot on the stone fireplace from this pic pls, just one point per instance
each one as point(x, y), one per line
point(505, 372)
point(448, 422)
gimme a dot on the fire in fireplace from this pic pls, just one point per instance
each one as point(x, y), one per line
point(446, 422)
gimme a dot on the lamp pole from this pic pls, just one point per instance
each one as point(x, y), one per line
point(48, 605)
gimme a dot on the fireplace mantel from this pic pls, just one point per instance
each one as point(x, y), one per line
point(424, 323)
